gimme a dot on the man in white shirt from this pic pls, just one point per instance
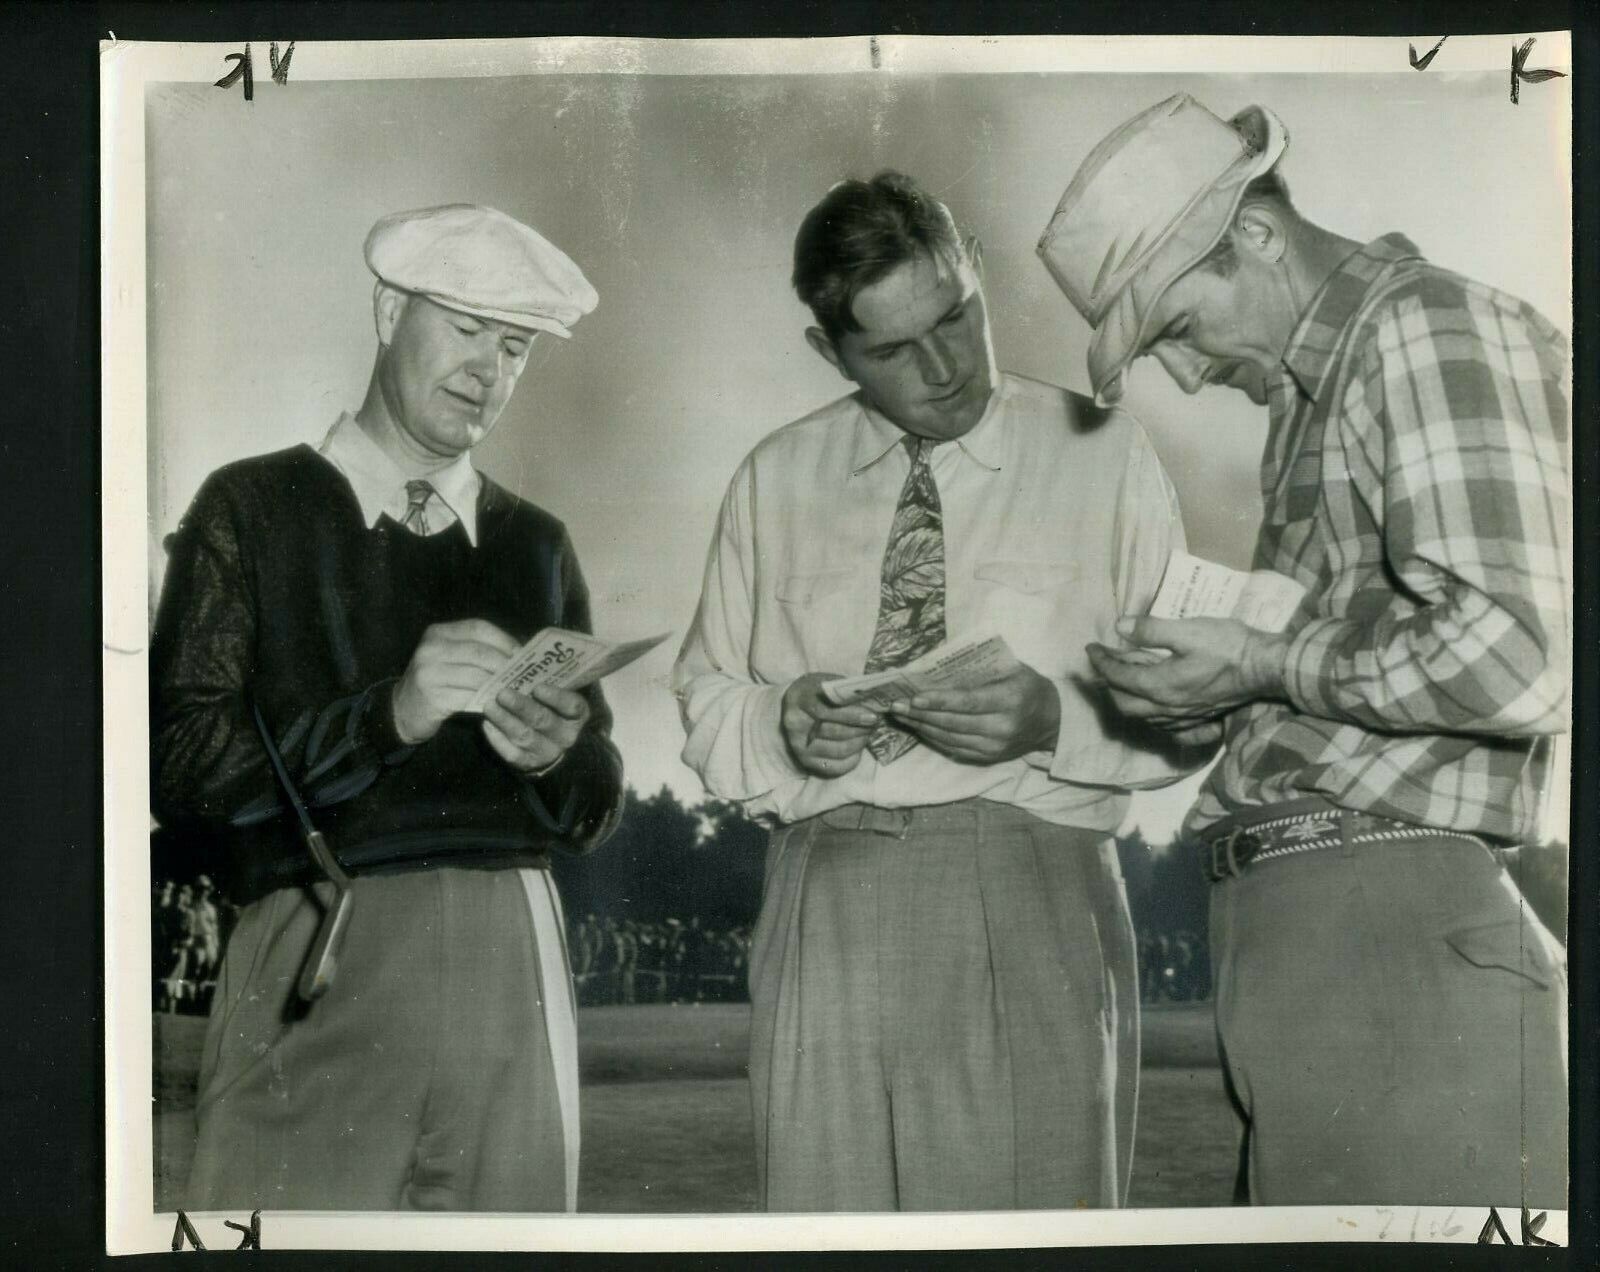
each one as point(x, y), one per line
point(943, 974)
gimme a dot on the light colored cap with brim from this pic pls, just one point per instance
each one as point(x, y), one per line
point(1146, 205)
point(482, 262)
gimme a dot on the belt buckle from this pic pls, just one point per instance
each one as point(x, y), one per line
point(1225, 859)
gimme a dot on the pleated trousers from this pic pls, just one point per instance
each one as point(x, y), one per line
point(430, 1076)
point(945, 1014)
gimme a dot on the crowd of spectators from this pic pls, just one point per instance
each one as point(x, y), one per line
point(614, 961)
point(628, 961)
point(189, 926)
point(1173, 968)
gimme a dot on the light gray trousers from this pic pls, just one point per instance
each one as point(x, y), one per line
point(945, 1014)
point(423, 1079)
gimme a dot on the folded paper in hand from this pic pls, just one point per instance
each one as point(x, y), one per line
point(1196, 588)
point(973, 662)
point(560, 659)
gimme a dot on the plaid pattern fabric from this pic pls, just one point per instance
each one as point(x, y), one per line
point(1415, 482)
point(911, 589)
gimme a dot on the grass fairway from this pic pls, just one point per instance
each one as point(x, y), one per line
point(666, 1110)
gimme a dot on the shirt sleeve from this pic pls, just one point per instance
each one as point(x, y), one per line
point(735, 742)
point(1097, 745)
point(1460, 420)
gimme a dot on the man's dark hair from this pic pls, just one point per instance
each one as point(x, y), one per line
point(1269, 187)
point(858, 233)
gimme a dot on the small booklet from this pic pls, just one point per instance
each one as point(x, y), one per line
point(1196, 588)
point(562, 660)
point(972, 662)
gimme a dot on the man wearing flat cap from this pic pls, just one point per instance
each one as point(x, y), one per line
point(945, 1006)
point(346, 601)
point(1391, 1013)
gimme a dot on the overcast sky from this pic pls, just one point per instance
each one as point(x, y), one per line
point(679, 197)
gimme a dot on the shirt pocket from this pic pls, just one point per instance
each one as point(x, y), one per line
point(801, 590)
point(1031, 578)
point(821, 620)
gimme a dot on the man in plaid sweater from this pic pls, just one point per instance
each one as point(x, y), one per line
point(1391, 1013)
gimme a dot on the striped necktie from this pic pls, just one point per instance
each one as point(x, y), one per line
point(911, 588)
point(417, 494)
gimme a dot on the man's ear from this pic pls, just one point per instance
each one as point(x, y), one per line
point(388, 303)
point(819, 340)
point(1263, 230)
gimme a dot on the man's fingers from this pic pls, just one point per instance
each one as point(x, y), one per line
point(834, 731)
point(1160, 633)
point(836, 749)
point(535, 756)
point(486, 633)
point(567, 703)
point(1135, 678)
point(527, 722)
point(513, 713)
point(953, 721)
point(946, 739)
point(470, 653)
point(856, 716)
point(446, 675)
point(1134, 706)
point(958, 701)
point(480, 631)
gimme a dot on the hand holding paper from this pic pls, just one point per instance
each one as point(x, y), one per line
point(532, 710)
point(1210, 643)
point(560, 659)
point(973, 701)
point(824, 738)
point(1214, 665)
point(948, 667)
point(1195, 588)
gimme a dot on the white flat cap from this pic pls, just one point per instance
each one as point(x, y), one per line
point(482, 262)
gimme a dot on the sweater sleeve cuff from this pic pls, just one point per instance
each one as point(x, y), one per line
point(577, 801)
point(378, 724)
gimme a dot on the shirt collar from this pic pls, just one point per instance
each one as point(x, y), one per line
point(1315, 341)
point(380, 486)
point(877, 435)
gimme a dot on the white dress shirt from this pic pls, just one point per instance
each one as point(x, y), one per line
point(1058, 519)
point(380, 487)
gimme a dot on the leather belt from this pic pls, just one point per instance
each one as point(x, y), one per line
point(1289, 830)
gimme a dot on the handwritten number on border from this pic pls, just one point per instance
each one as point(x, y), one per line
point(241, 67)
point(244, 70)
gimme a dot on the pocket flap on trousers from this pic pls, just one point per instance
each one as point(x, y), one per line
point(1508, 945)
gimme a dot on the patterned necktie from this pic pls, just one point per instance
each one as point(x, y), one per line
point(911, 589)
point(416, 519)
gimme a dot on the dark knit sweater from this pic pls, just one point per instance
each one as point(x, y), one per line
point(277, 592)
